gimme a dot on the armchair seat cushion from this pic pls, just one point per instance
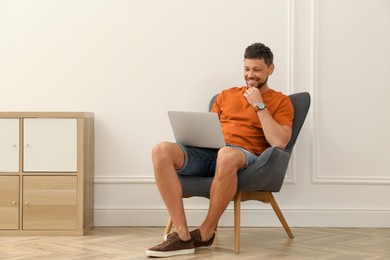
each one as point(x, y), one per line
point(267, 174)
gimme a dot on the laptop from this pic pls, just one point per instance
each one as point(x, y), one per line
point(198, 129)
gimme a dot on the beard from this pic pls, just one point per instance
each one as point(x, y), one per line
point(260, 84)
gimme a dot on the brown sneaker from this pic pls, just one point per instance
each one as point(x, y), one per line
point(195, 235)
point(171, 246)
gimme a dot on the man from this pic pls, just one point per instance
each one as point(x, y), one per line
point(253, 118)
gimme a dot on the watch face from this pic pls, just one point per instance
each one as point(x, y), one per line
point(261, 106)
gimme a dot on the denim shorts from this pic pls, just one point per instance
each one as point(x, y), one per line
point(202, 161)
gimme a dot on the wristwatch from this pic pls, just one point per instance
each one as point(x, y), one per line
point(259, 106)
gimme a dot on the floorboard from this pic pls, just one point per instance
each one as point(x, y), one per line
point(256, 243)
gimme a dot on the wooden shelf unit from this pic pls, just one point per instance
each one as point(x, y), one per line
point(46, 173)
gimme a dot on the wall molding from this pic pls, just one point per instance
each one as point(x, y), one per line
point(124, 180)
point(318, 177)
point(290, 177)
point(130, 180)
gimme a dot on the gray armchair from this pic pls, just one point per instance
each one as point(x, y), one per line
point(261, 179)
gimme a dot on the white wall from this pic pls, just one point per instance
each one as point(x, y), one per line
point(130, 61)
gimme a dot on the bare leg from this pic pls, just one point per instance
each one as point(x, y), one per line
point(223, 189)
point(167, 157)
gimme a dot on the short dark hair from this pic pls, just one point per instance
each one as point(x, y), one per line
point(259, 51)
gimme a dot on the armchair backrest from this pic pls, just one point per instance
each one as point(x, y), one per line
point(301, 104)
point(212, 101)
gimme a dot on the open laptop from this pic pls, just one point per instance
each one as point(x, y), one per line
point(198, 129)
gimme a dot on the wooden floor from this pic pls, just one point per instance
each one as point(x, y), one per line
point(256, 243)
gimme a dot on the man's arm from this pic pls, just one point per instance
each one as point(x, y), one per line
point(276, 135)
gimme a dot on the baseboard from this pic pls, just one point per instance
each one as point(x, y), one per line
point(250, 217)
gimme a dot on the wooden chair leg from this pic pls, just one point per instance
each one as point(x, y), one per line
point(168, 227)
point(278, 212)
point(237, 222)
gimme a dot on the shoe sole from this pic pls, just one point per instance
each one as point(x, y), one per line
point(203, 247)
point(169, 253)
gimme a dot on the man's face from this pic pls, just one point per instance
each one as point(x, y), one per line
point(256, 72)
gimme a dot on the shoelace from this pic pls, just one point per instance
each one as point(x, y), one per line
point(168, 238)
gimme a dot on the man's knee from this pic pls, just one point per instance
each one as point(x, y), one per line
point(231, 158)
point(161, 152)
point(160, 149)
point(166, 153)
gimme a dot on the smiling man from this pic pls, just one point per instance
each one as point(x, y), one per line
point(253, 118)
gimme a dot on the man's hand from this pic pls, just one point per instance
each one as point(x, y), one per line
point(253, 96)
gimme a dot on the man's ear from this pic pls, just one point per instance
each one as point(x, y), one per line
point(271, 69)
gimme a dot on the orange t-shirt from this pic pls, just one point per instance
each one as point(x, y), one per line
point(241, 125)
